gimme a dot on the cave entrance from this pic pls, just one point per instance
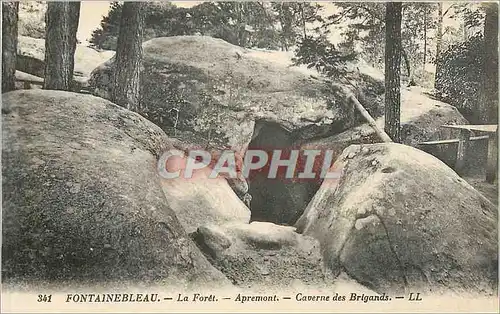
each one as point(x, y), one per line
point(276, 200)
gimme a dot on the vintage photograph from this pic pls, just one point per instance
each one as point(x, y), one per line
point(249, 156)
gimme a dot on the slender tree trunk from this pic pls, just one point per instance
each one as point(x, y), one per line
point(425, 41)
point(439, 34)
point(404, 55)
point(392, 69)
point(488, 103)
point(439, 40)
point(240, 24)
point(303, 20)
point(10, 16)
point(284, 31)
point(60, 44)
point(126, 89)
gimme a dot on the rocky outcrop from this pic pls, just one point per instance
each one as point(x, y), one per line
point(398, 218)
point(213, 94)
point(82, 200)
point(201, 200)
point(217, 90)
point(365, 81)
point(284, 201)
point(421, 120)
point(262, 254)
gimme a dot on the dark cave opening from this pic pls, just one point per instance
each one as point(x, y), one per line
point(276, 200)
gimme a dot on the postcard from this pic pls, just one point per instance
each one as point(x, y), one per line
point(249, 156)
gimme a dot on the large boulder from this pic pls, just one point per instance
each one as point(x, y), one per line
point(82, 200)
point(200, 199)
point(284, 201)
point(398, 219)
point(217, 90)
point(211, 93)
point(263, 255)
point(31, 59)
point(366, 82)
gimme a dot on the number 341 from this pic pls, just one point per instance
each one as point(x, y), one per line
point(44, 298)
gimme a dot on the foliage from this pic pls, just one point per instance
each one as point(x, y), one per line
point(162, 19)
point(247, 24)
point(459, 77)
point(363, 32)
point(282, 25)
point(322, 55)
point(418, 20)
point(293, 18)
point(471, 13)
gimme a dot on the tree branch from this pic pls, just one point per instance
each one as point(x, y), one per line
point(340, 17)
point(447, 10)
point(372, 13)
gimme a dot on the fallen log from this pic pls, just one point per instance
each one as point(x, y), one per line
point(381, 133)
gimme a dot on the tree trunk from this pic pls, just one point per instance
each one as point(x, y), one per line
point(10, 15)
point(425, 42)
point(439, 40)
point(488, 103)
point(303, 20)
point(404, 55)
point(392, 69)
point(126, 89)
point(439, 34)
point(60, 44)
point(284, 30)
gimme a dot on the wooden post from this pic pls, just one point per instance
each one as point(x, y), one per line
point(492, 161)
point(463, 143)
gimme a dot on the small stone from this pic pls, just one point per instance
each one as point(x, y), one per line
point(361, 211)
point(75, 145)
point(75, 188)
point(37, 161)
point(264, 271)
